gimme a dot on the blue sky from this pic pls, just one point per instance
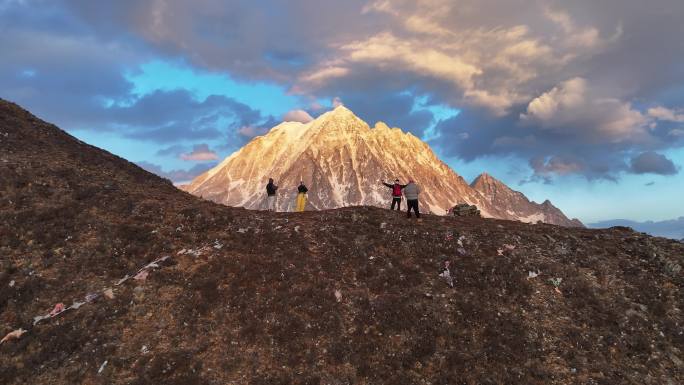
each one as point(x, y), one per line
point(580, 103)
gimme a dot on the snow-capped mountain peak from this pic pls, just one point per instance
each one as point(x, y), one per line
point(342, 160)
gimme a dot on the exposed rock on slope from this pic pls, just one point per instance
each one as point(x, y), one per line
point(329, 297)
point(517, 206)
point(342, 160)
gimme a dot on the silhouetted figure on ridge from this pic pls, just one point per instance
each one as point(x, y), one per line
point(271, 190)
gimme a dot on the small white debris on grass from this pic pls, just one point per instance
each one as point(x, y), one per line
point(13, 335)
point(532, 274)
point(460, 240)
point(102, 367)
point(108, 293)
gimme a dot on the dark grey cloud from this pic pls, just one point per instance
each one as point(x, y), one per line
point(651, 162)
point(565, 86)
point(272, 39)
point(177, 175)
point(173, 150)
point(394, 109)
point(169, 116)
point(59, 69)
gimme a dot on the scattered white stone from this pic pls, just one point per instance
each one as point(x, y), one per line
point(532, 274)
point(39, 318)
point(11, 284)
point(338, 295)
point(122, 280)
point(102, 367)
point(460, 240)
point(108, 293)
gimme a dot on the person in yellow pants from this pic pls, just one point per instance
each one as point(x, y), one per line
point(301, 197)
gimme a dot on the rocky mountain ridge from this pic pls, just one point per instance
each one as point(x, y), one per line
point(517, 205)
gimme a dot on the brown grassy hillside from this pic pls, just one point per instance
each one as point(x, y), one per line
point(348, 296)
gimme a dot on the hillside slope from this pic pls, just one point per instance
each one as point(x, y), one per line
point(329, 297)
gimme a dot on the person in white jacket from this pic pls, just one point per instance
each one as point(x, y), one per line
point(411, 192)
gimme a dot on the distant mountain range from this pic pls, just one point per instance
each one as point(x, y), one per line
point(342, 160)
point(673, 228)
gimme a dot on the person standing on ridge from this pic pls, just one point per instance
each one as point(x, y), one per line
point(396, 193)
point(301, 197)
point(271, 189)
point(411, 192)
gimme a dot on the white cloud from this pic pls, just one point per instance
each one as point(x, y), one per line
point(555, 165)
point(677, 132)
point(252, 131)
point(324, 74)
point(574, 36)
point(573, 108)
point(662, 113)
point(297, 116)
point(493, 64)
point(200, 153)
point(568, 96)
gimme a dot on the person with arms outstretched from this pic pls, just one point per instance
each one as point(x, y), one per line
point(301, 196)
point(396, 193)
point(271, 190)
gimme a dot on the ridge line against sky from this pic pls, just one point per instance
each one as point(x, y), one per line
point(577, 102)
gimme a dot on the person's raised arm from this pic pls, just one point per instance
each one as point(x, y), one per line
point(386, 184)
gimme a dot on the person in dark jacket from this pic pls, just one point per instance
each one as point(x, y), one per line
point(271, 190)
point(396, 193)
point(301, 196)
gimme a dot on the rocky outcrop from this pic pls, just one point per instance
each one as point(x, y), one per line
point(515, 204)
